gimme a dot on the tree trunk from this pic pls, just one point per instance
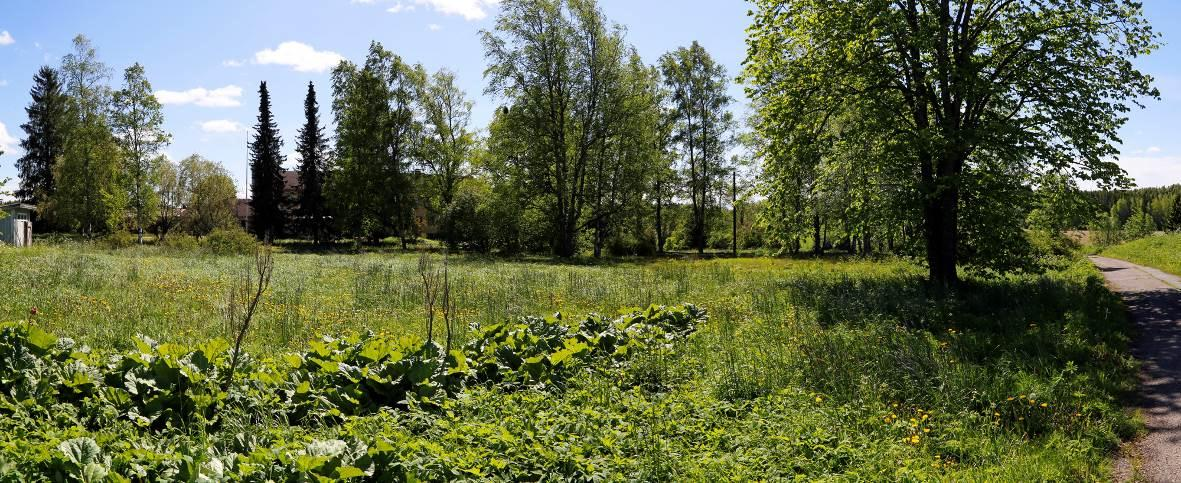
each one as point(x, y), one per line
point(817, 242)
point(734, 209)
point(942, 212)
point(659, 220)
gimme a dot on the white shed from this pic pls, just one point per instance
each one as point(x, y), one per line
point(16, 228)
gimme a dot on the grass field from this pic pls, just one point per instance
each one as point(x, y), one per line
point(1161, 252)
point(839, 369)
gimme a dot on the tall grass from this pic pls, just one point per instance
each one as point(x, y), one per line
point(807, 368)
point(1162, 252)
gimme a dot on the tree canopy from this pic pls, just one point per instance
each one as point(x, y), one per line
point(968, 100)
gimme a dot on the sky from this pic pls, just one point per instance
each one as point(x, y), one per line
point(206, 58)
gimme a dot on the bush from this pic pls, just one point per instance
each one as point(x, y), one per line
point(181, 242)
point(117, 240)
point(230, 241)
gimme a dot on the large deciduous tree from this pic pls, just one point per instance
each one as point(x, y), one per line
point(977, 97)
point(698, 106)
point(266, 172)
point(558, 64)
point(210, 195)
point(448, 143)
point(377, 133)
point(312, 147)
point(44, 137)
point(138, 122)
point(89, 194)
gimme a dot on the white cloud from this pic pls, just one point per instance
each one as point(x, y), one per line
point(302, 57)
point(468, 9)
point(400, 7)
point(220, 126)
point(232, 63)
point(8, 144)
point(3, 82)
point(222, 97)
point(1153, 171)
point(1154, 150)
point(6, 38)
point(434, 27)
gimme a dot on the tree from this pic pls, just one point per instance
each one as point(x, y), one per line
point(138, 122)
point(206, 192)
point(171, 191)
point(89, 194)
point(1139, 225)
point(312, 147)
point(553, 61)
point(44, 139)
point(1175, 213)
point(699, 107)
point(376, 135)
point(266, 172)
point(975, 95)
point(447, 142)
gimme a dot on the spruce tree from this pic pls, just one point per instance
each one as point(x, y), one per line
point(44, 140)
point(266, 172)
point(312, 146)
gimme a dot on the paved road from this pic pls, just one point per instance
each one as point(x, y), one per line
point(1154, 301)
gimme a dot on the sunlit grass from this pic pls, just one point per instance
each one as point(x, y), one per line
point(816, 368)
point(1162, 252)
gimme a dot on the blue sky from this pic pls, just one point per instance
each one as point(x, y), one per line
point(206, 58)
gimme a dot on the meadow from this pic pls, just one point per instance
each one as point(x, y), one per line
point(840, 369)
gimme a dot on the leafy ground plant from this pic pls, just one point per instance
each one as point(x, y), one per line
point(819, 369)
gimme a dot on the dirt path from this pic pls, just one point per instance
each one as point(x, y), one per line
point(1154, 301)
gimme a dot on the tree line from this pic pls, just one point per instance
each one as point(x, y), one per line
point(591, 150)
point(945, 130)
point(93, 156)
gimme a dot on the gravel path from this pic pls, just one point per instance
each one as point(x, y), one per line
point(1154, 302)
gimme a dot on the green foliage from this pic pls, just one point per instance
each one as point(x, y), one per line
point(118, 239)
point(701, 125)
point(137, 119)
point(955, 124)
point(805, 368)
point(267, 218)
point(181, 242)
point(1139, 225)
point(89, 195)
point(313, 150)
point(44, 137)
point(376, 130)
point(229, 241)
point(578, 152)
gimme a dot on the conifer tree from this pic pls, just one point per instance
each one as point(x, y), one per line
point(44, 140)
point(312, 148)
point(266, 172)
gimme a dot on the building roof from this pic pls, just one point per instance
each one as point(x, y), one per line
point(18, 205)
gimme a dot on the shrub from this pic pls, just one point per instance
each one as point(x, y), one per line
point(181, 242)
point(117, 240)
point(230, 241)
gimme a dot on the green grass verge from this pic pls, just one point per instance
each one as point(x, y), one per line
point(815, 369)
point(1162, 252)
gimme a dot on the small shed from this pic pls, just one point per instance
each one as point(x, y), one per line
point(16, 228)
